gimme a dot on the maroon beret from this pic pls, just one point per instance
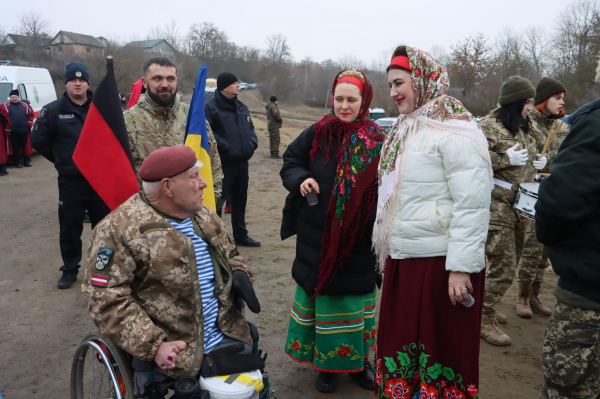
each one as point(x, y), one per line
point(167, 162)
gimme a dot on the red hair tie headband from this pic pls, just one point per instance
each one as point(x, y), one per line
point(355, 81)
point(401, 61)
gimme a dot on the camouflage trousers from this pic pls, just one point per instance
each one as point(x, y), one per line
point(503, 249)
point(571, 354)
point(534, 261)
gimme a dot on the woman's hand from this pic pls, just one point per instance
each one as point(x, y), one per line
point(459, 284)
point(308, 185)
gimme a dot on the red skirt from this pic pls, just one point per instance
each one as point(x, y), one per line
point(424, 343)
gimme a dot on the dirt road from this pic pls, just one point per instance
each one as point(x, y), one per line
point(41, 326)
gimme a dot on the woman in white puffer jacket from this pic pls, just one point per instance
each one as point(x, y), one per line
point(435, 180)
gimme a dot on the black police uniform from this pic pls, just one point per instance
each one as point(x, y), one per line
point(55, 135)
point(236, 141)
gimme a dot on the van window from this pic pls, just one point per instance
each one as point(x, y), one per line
point(5, 89)
point(22, 92)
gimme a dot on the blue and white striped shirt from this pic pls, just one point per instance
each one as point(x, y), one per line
point(206, 275)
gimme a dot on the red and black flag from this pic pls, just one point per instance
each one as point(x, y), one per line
point(103, 153)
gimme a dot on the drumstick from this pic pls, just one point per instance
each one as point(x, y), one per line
point(551, 136)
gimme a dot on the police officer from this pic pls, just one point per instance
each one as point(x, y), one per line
point(55, 136)
point(232, 126)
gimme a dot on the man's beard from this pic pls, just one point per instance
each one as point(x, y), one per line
point(160, 101)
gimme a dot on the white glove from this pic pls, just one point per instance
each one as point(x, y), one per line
point(541, 162)
point(517, 158)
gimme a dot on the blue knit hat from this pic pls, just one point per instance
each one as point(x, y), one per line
point(76, 70)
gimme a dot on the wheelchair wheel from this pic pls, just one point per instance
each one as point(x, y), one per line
point(101, 370)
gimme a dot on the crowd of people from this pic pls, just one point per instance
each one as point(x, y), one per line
point(430, 213)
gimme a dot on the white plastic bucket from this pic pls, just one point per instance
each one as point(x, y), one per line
point(246, 386)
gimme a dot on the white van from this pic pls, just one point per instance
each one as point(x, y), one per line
point(34, 85)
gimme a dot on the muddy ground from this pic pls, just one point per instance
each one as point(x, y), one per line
point(41, 326)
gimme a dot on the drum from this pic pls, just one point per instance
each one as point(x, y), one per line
point(526, 198)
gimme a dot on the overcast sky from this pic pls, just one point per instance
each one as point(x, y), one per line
point(320, 29)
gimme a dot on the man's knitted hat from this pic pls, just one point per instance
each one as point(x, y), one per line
point(14, 92)
point(273, 99)
point(546, 88)
point(76, 70)
point(225, 80)
point(515, 89)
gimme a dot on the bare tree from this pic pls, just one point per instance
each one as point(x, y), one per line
point(32, 24)
point(537, 47)
point(277, 51)
point(440, 54)
point(350, 61)
point(3, 36)
point(170, 33)
point(471, 61)
point(207, 41)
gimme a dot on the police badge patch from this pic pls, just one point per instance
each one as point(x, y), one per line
point(103, 258)
point(42, 113)
point(248, 118)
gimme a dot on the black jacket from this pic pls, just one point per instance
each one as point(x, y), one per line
point(233, 128)
point(359, 274)
point(56, 133)
point(568, 208)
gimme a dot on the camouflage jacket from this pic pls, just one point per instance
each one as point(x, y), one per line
point(273, 116)
point(141, 283)
point(500, 140)
point(151, 127)
point(542, 125)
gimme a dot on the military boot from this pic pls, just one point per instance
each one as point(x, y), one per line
point(522, 307)
point(536, 305)
point(493, 333)
point(500, 318)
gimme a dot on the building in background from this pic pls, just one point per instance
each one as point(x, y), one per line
point(157, 46)
point(69, 43)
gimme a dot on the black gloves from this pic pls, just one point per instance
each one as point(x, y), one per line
point(229, 360)
point(243, 289)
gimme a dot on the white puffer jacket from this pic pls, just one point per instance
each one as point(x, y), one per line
point(444, 201)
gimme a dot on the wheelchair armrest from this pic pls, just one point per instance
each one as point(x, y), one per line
point(253, 331)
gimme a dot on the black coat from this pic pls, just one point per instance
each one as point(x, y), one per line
point(233, 128)
point(358, 275)
point(56, 133)
point(568, 208)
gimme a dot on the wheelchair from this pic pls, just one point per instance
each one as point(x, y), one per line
point(101, 370)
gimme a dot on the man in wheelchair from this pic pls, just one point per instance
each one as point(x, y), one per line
point(162, 277)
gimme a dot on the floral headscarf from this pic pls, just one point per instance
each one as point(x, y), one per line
point(435, 112)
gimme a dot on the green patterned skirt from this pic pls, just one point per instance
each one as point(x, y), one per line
point(333, 332)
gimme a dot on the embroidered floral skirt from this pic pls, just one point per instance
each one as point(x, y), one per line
point(426, 347)
point(334, 332)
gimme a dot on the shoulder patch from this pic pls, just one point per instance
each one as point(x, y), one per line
point(99, 279)
point(248, 118)
point(42, 113)
point(103, 258)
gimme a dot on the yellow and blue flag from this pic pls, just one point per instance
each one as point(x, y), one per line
point(196, 136)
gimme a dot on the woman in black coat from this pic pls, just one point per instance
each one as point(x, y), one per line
point(332, 324)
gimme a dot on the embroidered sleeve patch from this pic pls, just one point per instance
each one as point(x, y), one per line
point(103, 258)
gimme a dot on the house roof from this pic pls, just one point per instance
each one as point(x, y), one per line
point(79, 38)
point(21, 40)
point(148, 43)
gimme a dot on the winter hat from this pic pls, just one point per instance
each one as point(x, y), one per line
point(273, 99)
point(515, 89)
point(546, 88)
point(14, 92)
point(225, 80)
point(76, 70)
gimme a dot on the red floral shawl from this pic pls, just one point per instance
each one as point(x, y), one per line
point(354, 195)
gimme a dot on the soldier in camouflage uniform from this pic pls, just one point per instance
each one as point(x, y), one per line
point(510, 153)
point(144, 275)
point(548, 108)
point(155, 122)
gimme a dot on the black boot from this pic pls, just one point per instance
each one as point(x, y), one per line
point(66, 280)
point(326, 382)
point(366, 377)
point(3, 171)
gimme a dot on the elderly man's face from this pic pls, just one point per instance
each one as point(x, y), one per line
point(188, 189)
